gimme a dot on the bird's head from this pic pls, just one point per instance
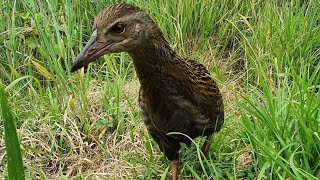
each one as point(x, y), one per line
point(119, 28)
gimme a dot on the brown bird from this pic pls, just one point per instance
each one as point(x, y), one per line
point(176, 95)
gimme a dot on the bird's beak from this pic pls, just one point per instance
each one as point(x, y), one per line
point(92, 50)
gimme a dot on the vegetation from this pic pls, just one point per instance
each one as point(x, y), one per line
point(15, 164)
point(263, 54)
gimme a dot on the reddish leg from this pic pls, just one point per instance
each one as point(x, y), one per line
point(174, 166)
point(206, 146)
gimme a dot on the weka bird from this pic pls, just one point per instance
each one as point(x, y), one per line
point(176, 95)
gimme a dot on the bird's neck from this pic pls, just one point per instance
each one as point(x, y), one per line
point(151, 60)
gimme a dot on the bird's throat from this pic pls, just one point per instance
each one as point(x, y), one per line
point(151, 61)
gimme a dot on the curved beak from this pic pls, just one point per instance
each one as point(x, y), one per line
point(92, 50)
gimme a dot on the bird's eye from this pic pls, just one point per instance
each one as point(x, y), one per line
point(118, 28)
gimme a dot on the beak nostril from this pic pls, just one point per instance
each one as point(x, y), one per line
point(91, 51)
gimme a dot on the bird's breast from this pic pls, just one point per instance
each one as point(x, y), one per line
point(169, 112)
point(154, 109)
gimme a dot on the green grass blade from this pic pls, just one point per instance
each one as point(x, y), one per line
point(15, 164)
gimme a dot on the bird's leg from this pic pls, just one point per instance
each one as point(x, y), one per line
point(174, 166)
point(206, 146)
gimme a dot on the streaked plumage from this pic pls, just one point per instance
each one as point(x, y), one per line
point(176, 95)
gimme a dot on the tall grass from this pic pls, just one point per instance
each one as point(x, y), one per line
point(281, 107)
point(263, 54)
point(14, 159)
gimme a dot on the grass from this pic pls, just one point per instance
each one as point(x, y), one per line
point(15, 164)
point(263, 54)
